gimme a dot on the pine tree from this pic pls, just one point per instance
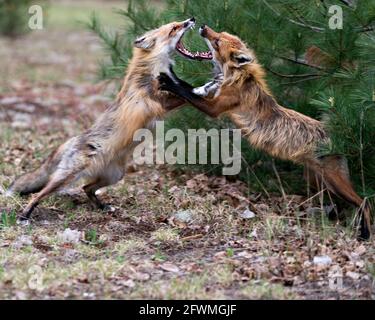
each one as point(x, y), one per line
point(13, 17)
point(323, 71)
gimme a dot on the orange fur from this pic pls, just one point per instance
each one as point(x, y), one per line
point(99, 154)
point(281, 132)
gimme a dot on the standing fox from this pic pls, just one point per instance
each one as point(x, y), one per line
point(99, 154)
point(284, 133)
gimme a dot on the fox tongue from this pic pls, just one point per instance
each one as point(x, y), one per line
point(195, 56)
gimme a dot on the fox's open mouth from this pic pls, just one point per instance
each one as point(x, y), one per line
point(207, 55)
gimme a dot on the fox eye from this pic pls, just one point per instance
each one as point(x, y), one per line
point(173, 30)
point(217, 42)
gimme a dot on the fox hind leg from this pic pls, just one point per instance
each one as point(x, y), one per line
point(113, 174)
point(343, 188)
point(315, 182)
point(334, 173)
point(57, 181)
point(90, 190)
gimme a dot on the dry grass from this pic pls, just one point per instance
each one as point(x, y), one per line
point(142, 251)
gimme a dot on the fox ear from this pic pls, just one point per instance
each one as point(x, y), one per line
point(144, 42)
point(241, 59)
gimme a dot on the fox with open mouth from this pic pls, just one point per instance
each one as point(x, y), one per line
point(239, 90)
point(99, 155)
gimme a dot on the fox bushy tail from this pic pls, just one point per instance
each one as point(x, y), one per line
point(36, 180)
point(31, 182)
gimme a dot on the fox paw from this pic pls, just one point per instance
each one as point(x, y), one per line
point(165, 82)
point(103, 207)
point(107, 208)
point(23, 222)
point(200, 91)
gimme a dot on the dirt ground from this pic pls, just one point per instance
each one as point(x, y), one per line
point(173, 234)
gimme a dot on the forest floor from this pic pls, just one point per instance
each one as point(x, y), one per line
point(173, 234)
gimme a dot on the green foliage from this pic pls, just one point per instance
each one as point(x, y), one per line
point(117, 47)
point(92, 237)
point(13, 17)
point(8, 220)
point(230, 252)
point(338, 89)
point(159, 256)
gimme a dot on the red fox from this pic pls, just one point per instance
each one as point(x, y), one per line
point(242, 93)
point(99, 154)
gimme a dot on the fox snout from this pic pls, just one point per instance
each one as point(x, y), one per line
point(189, 22)
point(203, 30)
point(206, 32)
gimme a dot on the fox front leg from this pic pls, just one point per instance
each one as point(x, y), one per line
point(168, 84)
point(228, 98)
point(210, 89)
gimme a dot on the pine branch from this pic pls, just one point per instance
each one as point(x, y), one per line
point(325, 6)
point(141, 15)
point(366, 29)
point(95, 26)
point(316, 29)
point(306, 75)
point(347, 3)
point(301, 80)
point(301, 62)
point(133, 17)
point(302, 24)
point(294, 12)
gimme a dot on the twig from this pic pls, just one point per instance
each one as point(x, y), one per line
point(279, 180)
point(299, 17)
point(301, 80)
point(309, 199)
point(316, 29)
point(252, 171)
point(301, 62)
point(361, 152)
point(332, 203)
point(291, 75)
point(321, 198)
point(366, 29)
point(302, 24)
point(3, 191)
point(194, 236)
point(347, 3)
